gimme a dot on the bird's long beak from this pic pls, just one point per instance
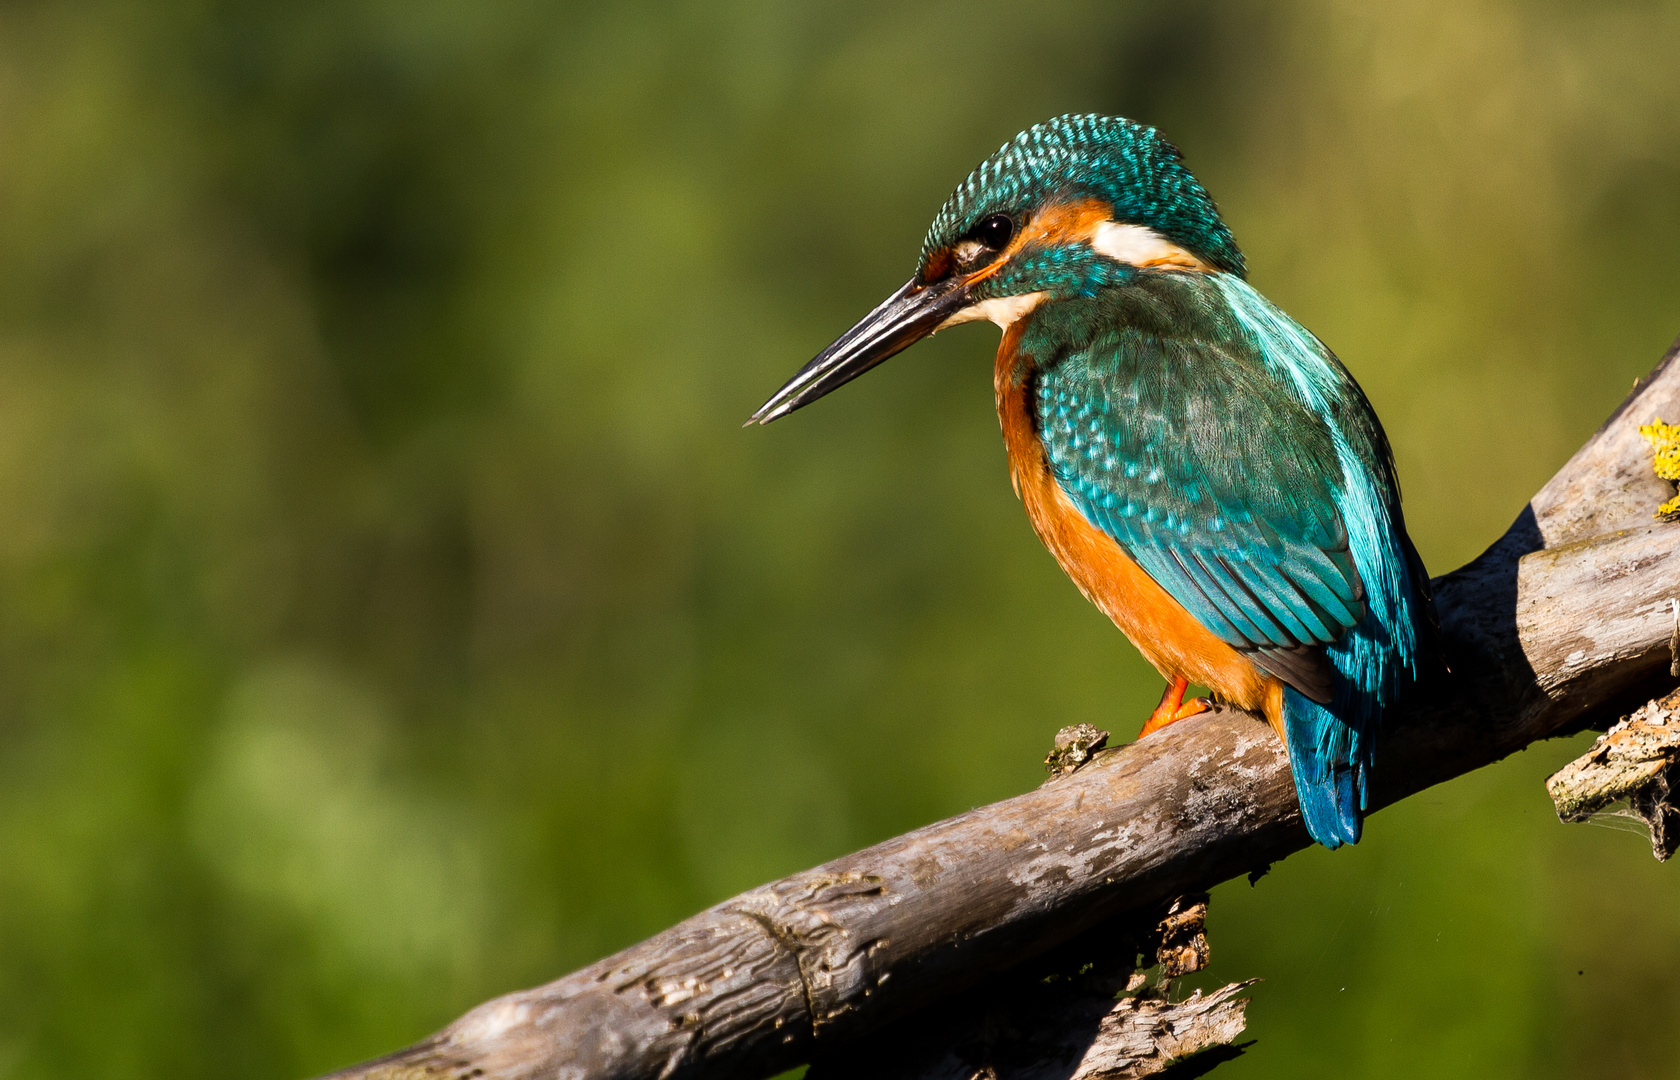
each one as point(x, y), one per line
point(902, 319)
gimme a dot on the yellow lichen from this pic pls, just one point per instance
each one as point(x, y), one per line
point(1665, 444)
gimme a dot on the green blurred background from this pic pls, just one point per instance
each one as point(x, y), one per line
point(393, 612)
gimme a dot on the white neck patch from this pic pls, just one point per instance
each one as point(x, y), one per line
point(1140, 245)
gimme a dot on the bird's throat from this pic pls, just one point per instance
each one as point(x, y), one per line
point(1006, 311)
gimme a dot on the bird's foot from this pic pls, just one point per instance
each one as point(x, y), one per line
point(1174, 708)
point(1159, 719)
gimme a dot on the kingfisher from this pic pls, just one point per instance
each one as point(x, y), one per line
point(1203, 467)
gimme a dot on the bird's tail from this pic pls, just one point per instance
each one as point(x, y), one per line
point(1329, 764)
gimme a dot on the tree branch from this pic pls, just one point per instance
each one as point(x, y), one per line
point(1566, 618)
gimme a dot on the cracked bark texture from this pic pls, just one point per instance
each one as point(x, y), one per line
point(1637, 760)
point(1565, 620)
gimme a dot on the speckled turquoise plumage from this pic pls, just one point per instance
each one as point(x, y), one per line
point(1220, 445)
point(1235, 459)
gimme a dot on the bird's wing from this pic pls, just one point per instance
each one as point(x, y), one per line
point(1219, 482)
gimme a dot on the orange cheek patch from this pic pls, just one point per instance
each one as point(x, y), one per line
point(1060, 224)
point(1088, 222)
point(1054, 225)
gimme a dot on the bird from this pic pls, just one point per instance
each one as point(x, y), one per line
point(1204, 468)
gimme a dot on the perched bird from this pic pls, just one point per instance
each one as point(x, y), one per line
point(1201, 466)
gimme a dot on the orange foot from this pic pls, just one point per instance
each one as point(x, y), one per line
point(1173, 707)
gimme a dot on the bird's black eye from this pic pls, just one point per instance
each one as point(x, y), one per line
point(995, 231)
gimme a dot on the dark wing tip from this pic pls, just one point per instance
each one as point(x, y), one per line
point(1304, 667)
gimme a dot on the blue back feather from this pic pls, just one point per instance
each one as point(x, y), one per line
point(1231, 455)
point(1330, 746)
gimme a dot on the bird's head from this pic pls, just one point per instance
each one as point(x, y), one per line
point(1065, 208)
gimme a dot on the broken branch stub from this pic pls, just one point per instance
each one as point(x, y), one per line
point(1637, 760)
point(1184, 943)
point(1084, 1011)
point(1075, 745)
point(1060, 1034)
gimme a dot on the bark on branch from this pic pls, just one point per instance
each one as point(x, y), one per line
point(1637, 760)
point(1084, 1011)
point(1566, 618)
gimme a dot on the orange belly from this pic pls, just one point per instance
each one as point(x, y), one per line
point(1166, 634)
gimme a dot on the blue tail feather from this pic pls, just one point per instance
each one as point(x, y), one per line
point(1332, 747)
point(1329, 762)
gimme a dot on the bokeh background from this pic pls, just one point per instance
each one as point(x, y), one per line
point(393, 612)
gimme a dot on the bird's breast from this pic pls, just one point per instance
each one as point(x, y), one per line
point(1160, 627)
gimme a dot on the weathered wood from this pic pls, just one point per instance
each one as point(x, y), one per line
point(1638, 760)
point(1057, 1032)
point(1563, 618)
point(1085, 1011)
point(1074, 746)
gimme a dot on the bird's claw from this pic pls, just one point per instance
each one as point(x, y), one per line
point(1171, 710)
